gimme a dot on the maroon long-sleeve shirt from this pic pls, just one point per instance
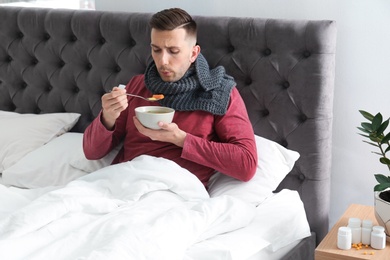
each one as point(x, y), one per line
point(213, 143)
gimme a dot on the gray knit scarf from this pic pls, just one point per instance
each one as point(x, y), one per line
point(199, 89)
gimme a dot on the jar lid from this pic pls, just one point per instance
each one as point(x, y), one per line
point(367, 223)
point(378, 229)
point(354, 222)
point(345, 231)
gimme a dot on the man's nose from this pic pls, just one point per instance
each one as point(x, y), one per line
point(164, 58)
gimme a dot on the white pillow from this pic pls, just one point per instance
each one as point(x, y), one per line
point(51, 164)
point(79, 161)
point(274, 163)
point(46, 166)
point(23, 133)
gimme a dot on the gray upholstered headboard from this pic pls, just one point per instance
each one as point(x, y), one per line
point(54, 60)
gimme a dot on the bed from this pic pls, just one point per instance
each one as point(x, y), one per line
point(55, 64)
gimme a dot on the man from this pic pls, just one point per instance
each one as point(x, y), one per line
point(210, 130)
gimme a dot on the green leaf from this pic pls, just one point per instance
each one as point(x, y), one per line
point(377, 121)
point(384, 160)
point(387, 149)
point(367, 115)
point(367, 126)
point(381, 187)
point(366, 136)
point(386, 138)
point(382, 178)
point(382, 127)
point(373, 144)
point(374, 138)
point(364, 130)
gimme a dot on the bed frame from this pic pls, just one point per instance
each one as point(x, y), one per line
point(56, 60)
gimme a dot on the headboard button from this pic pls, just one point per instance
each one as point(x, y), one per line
point(302, 177)
point(284, 143)
point(46, 36)
point(24, 85)
point(248, 81)
point(89, 66)
point(20, 35)
point(118, 69)
point(9, 58)
point(306, 54)
point(265, 112)
point(34, 62)
point(73, 38)
point(61, 64)
point(37, 111)
point(102, 40)
point(231, 48)
point(303, 118)
point(76, 90)
point(286, 84)
point(267, 52)
point(49, 88)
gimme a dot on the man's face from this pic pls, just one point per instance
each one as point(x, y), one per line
point(173, 52)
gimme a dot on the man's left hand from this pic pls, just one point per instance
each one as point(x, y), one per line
point(170, 133)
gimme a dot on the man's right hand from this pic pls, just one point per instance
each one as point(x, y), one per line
point(113, 104)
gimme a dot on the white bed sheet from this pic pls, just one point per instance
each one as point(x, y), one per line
point(268, 254)
point(278, 224)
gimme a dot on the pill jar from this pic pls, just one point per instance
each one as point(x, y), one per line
point(344, 238)
point(356, 229)
point(378, 237)
point(366, 231)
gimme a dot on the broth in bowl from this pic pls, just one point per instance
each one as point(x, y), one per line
point(157, 112)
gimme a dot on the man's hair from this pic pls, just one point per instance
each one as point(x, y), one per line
point(170, 19)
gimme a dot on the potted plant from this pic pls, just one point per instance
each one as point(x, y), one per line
point(375, 131)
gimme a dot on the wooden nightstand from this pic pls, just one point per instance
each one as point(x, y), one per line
point(327, 249)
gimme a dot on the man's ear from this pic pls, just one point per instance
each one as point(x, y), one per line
point(195, 52)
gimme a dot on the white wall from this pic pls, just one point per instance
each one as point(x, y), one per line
point(362, 74)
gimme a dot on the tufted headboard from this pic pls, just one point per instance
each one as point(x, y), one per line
point(54, 60)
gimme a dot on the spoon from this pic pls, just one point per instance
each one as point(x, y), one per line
point(152, 99)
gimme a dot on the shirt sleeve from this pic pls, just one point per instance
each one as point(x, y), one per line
point(98, 141)
point(235, 153)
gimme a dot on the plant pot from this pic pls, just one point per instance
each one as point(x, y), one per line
point(382, 213)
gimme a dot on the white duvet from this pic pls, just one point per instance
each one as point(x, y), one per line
point(149, 208)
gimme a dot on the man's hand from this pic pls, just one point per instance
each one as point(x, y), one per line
point(113, 104)
point(170, 133)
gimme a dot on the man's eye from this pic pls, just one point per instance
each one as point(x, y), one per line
point(174, 51)
point(156, 50)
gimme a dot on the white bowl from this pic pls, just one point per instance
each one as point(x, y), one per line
point(149, 116)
